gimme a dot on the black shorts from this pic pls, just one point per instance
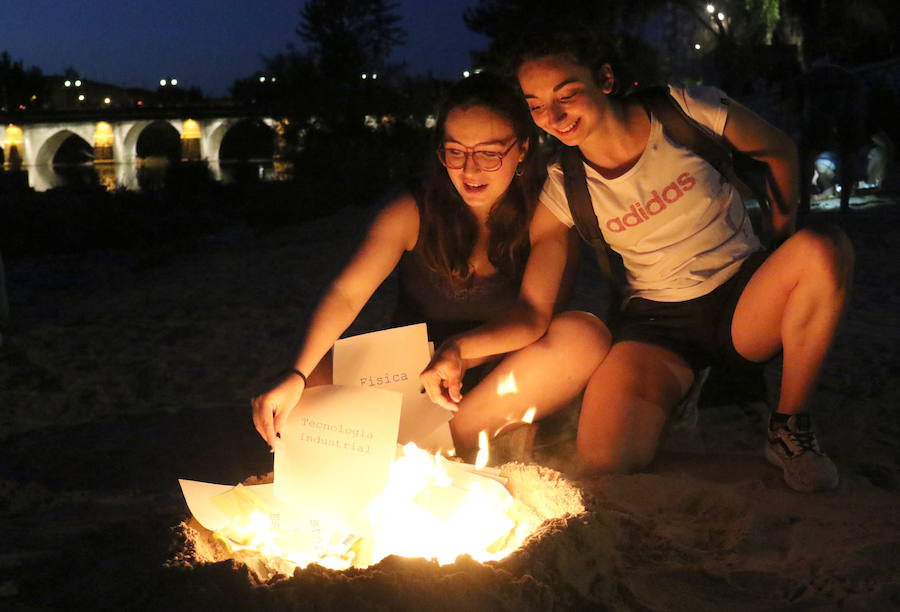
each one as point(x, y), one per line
point(698, 330)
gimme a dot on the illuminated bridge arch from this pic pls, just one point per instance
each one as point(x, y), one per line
point(41, 139)
point(44, 156)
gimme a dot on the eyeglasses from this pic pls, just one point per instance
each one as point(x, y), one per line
point(486, 161)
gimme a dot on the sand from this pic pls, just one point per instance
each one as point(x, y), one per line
point(122, 372)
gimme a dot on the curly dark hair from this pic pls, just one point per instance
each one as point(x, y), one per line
point(581, 45)
point(448, 229)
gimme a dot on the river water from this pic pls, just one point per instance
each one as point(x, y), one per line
point(148, 174)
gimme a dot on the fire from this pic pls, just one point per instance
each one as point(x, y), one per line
point(528, 417)
point(431, 507)
point(507, 385)
point(438, 510)
point(255, 533)
point(481, 458)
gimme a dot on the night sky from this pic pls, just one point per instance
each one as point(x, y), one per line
point(199, 43)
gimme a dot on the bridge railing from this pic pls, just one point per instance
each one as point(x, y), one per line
point(192, 111)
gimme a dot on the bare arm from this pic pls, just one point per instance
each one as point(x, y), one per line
point(526, 321)
point(753, 135)
point(394, 230)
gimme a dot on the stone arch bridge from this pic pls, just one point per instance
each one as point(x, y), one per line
point(30, 141)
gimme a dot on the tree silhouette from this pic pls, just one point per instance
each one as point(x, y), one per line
point(350, 37)
point(18, 87)
point(511, 26)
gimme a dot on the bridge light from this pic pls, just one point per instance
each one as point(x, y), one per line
point(173, 82)
point(68, 83)
point(162, 82)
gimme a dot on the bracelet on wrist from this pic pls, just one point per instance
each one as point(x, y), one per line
point(287, 371)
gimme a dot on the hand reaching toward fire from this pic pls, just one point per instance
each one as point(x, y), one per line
point(272, 408)
point(442, 379)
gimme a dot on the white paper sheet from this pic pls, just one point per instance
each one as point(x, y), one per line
point(335, 451)
point(393, 359)
point(305, 537)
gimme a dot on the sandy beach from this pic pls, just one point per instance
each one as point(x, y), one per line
point(123, 371)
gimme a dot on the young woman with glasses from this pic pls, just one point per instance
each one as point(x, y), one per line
point(700, 290)
point(462, 243)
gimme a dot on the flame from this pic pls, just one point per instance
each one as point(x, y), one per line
point(481, 458)
point(431, 508)
point(424, 512)
point(255, 533)
point(527, 417)
point(507, 385)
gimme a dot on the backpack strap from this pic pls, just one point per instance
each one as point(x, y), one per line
point(732, 164)
point(748, 175)
point(579, 199)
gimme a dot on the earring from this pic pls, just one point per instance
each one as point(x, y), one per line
point(519, 170)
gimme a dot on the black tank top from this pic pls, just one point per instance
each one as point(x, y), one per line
point(428, 296)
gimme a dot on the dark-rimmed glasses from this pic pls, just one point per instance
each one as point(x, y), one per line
point(486, 161)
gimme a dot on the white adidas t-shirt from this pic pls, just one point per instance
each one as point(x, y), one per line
point(680, 227)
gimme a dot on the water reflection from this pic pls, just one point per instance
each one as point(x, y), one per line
point(151, 173)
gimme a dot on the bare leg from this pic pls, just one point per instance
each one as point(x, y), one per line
point(626, 404)
point(794, 302)
point(546, 375)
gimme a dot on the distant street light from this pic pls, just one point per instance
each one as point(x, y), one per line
point(77, 83)
point(466, 74)
point(710, 9)
point(106, 100)
point(697, 46)
point(81, 97)
point(68, 83)
point(173, 82)
point(162, 82)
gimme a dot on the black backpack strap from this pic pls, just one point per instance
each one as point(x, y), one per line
point(579, 199)
point(748, 175)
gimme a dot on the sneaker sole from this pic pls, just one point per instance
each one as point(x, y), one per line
point(773, 458)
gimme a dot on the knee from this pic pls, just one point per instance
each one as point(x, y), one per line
point(580, 332)
point(828, 253)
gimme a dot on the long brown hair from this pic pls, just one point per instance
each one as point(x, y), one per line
point(448, 229)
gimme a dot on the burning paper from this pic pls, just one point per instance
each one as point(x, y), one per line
point(335, 451)
point(437, 509)
point(392, 359)
point(251, 518)
point(343, 495)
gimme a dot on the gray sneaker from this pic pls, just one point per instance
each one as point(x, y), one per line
point(793, 447)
